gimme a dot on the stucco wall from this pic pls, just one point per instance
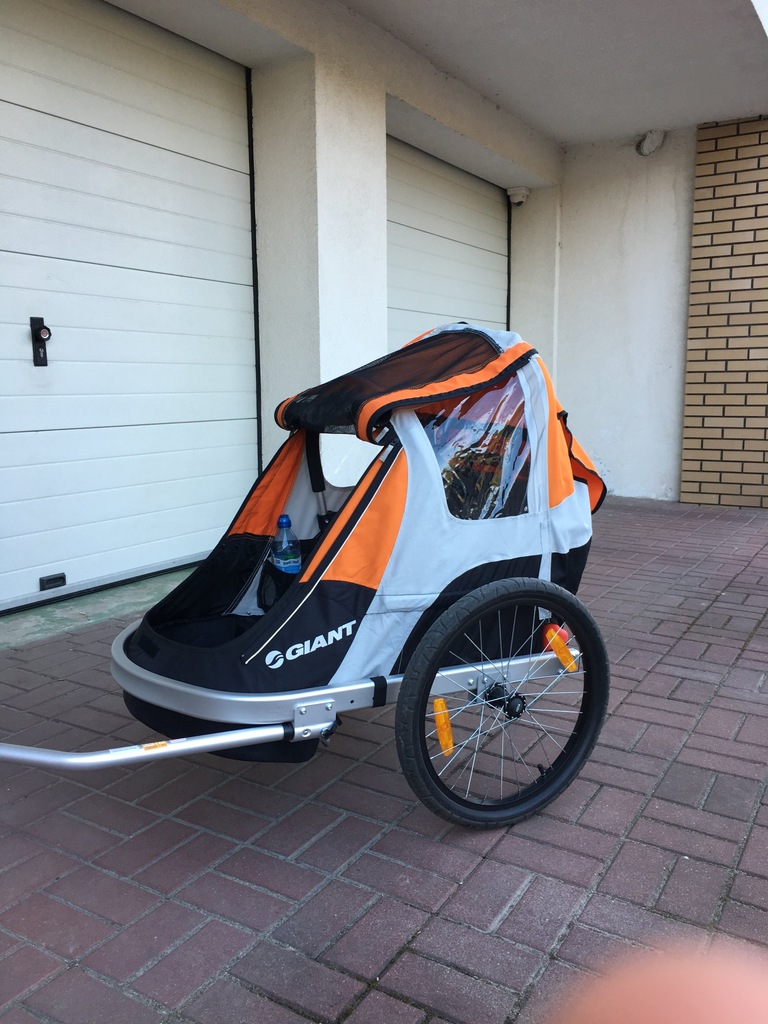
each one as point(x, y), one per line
point(619, 283)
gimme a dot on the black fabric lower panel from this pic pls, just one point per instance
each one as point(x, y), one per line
point(568, 568)
point(489, 572)
point(215, 585)
point(299, 644)
point(208, 632)
point(310, 643)
point(175, 726)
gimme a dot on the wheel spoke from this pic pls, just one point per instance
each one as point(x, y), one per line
point(476, 735)
point(548, 733)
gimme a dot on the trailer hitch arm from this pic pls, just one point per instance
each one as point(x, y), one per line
point(41, 757)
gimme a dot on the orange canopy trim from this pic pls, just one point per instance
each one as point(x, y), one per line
point(463, 383)
point(444, 361)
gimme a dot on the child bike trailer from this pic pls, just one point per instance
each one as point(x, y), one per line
point(444, 581)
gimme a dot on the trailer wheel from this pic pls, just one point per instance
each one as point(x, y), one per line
point(502, 703)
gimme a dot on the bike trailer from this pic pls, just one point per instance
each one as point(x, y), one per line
point(444, 579)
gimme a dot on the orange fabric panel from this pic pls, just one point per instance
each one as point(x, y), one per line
point(259, 515)
point(567, 459)
point(584, 468)
point(341, 520)
point(457, 383)
point(558, 459)
point(366, 553)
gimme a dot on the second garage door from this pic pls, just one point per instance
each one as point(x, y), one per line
point(448, 246)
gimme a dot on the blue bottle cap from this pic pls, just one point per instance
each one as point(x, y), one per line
point(284, 521)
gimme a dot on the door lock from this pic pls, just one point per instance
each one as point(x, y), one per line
point(41, 335)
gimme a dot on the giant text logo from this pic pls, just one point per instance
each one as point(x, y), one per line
point(277, 658)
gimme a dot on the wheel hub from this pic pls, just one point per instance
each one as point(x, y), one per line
point(514, 706)
point(498, 696)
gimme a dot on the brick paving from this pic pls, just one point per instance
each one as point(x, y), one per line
point(206, 890)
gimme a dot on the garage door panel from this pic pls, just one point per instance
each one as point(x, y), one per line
point(450, 311)
point(447, 239)
point(50, 460)
point(432, 221)
point(114, 548)
point(128, 525)
point(53, 64)
point(71, 477)
point(405, 324)
point(207, 388)
point(428, 202)
point(105, 379)
point(37, 147)
point(26, 87)
point(101, 23)
point(411, 238)
point(107, 34)
point(56, 412)
point(445, 262)
point(410, 295)
point(61, 514)
point(69, 379)
point(92, 346)
point(191, 254)
point(449, 308)
point(139, 495)
point(100, 298)
point(409, 167)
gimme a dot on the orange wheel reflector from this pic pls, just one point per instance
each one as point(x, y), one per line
point(443, 725)
point(557, 643)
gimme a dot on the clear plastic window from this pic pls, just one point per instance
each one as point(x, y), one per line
point(483, 450)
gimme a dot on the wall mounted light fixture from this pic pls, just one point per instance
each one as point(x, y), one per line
point(651, 142)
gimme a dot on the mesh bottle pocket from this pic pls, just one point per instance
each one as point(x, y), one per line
point(272, 585)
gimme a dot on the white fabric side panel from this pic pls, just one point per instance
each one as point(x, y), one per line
point(125, 223)
point(443, 548)
point(447, 246)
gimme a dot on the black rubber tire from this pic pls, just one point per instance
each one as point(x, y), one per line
point(519, 741)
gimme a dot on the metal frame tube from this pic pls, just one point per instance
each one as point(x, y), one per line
point(294, 717)
point(40, 757)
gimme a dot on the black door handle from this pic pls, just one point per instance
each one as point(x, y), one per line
point(41, 335)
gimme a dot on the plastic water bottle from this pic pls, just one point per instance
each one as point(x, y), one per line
point(285, 550)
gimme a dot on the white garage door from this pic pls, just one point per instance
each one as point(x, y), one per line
point(448, 246)
point(125, 225)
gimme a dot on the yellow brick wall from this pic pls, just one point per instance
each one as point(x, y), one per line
point(725, 433)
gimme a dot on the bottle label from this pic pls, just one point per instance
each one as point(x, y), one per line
point(287, 561)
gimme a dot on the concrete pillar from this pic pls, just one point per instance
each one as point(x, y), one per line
point(320, 170)
point(534, 269)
